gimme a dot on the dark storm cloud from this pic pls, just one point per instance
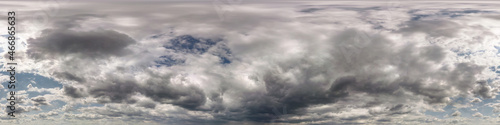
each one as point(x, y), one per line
point(46, 115)
point(84, 46)
point(23, 109)
point(356, 118)
point(187, 97)
point(394, 110)
point(463, 76)
point(433, 28)
point(281, 95)
point(54, 43)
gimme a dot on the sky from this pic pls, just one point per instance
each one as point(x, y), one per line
point(233, 62)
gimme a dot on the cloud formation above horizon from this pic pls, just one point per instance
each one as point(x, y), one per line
point(247, 62)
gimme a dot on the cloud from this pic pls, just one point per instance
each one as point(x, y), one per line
point(495, 106)
point(68, 76)
point(74, 92)
point(39, 101)
point(476, 100)
point(477, 114)
point(294, 83)
point(456, 113)
point(46, 115)
point(484, 90)
point(261, 64)
point(85, 44)
point(434, 28)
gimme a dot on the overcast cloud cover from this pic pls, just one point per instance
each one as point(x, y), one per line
point(255, 62)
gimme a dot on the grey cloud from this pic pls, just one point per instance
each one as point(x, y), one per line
point(394, 110)
point(433, 28)
point(186, 97)
point(147, 104)
point(356, 118)
point(298, 92)
point(39, 101)
point(116, 91)
point(484, 90)
point(314, 82)
point(433, 53)
point(311, 10)
point(23, 109)
point(356, 68)
point(46, 115)
point(292, 98)
point(85, 44)
point(158, 88)
point(83, 116)
point(456, 113)
point(74, 91)
point(496, 17)
point(69, 76)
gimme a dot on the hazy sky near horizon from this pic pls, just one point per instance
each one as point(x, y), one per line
point(254, 62)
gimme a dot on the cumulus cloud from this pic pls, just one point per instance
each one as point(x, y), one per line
point(484, 90)
point(73, 91)
point(477, 114)
point(259, 64)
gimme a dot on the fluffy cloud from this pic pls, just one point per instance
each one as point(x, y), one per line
point(289, 64)
point(477, 114)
